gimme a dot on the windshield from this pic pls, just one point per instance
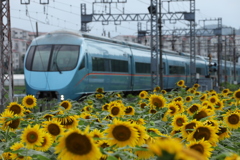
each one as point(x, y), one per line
point(52, 58)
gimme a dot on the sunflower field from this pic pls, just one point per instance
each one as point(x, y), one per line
point(182, 124)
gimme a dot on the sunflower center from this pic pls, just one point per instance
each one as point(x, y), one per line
point(179, 121)
point(200, 115)
point(14, 124)
point(128, 110)
point(104, 145)
point(65, 105)
point(153, 111)
point(32, 137)
point(198, 147)
point(143, 105)
point(48, 117)
point(121, 133)
point(53, 129)
point(202, 132)
point(16, 109)
point(173, 110)
point(188, 99)
point(212, 100)
point(237, 95)
point(233, 119)
point(221, 130)
point(115, 110)
point(157, 102)
point(189, 127)
point(29, 101)
point(44, 142)
point(193, 109)
point(78, 144)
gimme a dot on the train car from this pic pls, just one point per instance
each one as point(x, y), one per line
point(66, 64)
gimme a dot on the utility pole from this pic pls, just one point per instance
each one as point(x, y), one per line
point(6, 72)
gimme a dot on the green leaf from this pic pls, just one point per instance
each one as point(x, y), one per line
point(111, 158)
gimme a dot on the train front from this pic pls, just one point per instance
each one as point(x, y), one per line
point(50, 65)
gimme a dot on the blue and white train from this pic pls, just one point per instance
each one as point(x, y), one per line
point(69, 65)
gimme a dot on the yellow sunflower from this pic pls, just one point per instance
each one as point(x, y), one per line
point(188, 98)
point(116, 110)
point(68, 121)
point(16, 146)
point(129, 110)
point(16, 108)
point(202, 146)
point(219, 105)
point(46, 144)
point(157, 100)
point(122, 133)
point(236, 94)
point(172, 109)
point(203, 97)
point(181, 83)
point(100, 90)
point(163, 91)
point(76, 144)
point(54, 128)
point(206, 132)
point(29, 101)
point(66, 104)
point(223, 132)
point(233, 156)
point(196, 85)
point(96, 134)
point(232, 119)
point(143, 94)
point(99, 96)
point(142, 105)
point(203, 113)
point(178, 99)
point(193, 108)
point(142, 134)
point(188, 127)
point(213, 99)
point(180, 105)
point(48, 116)
point(157, 89)
point(9, 120)
point(32, 136)
point(88, 108)
point(105, 107)
point(144, 153)
point(178, 121)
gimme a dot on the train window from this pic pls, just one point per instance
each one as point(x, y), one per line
point(82, 65)
point(176, 70)
point(64, 58)
point(119, 66)
point(29, 58)
point(142, 67)
point(41, 58)
point(98, 64)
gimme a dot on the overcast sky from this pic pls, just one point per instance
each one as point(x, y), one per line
point(62, 14)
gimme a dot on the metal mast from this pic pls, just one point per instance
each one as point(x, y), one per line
point(6, 55)
point(153, 10)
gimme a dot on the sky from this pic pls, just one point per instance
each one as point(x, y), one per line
point(62, 14)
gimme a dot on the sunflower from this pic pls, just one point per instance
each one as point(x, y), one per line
point(129, 110)
point(203, 113)
point(223, 132)
point(99, 96)
point(219, 105)
point(66, 104)
point(16, 108)
point(202, 146)
point(213, 99)
point(100, 90)
point(166, 147)
point(144, 153)
point(96, 134)
point(46, 144)
point(178, 121)
point(154, 130)
point(152, 110)
point(212, 122)
point(68, 121)
point(54, 128)
point(236, 94)
point(232, 119)
point(142, 134)
point(203, 97)
point(32, 136)
point(172, 109)
point(105, 107)
point(233, 156)
point(143, 94)
point(206, 132)
point(122, 133)
point(193, 108)
point(116, 110)
point(16, 146)
point(181, 83)
point(178, 99)
point(29, 101)
point(180, 105)
point(196, 85)
point(76, 144)
point(188, 98)
point(163, 91)
point(188, 127)
point(157, 89)
point(142, 105)
point(88, 108)
point(157, 100)
point(48, 116)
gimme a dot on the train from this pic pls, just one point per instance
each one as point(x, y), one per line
point(67, 65)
